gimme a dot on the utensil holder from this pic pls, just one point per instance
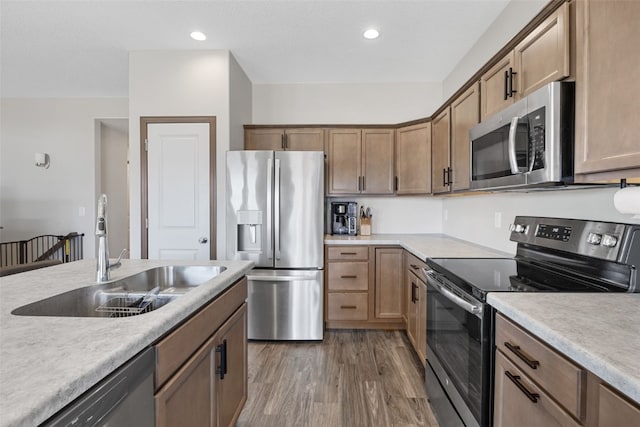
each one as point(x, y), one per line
point(365, 226)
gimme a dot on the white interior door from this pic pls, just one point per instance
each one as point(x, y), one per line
point(178, 191)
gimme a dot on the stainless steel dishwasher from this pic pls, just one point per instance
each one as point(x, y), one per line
point(124, 398)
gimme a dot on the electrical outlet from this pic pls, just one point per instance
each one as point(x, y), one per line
point(497, 219)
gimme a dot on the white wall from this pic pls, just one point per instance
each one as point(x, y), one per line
point(472, 218)
point(240, 94)
point(114, 181)
point(403, 215)
point(182, 83)
point(34, 200)
point(513, 18)
point(384, 103)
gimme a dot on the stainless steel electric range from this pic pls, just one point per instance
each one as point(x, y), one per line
point(553, 255)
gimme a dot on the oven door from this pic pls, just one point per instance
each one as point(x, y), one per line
point(458, 351)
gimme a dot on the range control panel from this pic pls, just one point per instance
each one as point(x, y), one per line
point(591, 238)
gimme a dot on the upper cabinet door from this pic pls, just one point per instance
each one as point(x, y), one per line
point(264, 139)
point(543, 56)
point(440, 152)
point(465, 113)
point(378, 161)
point(607, 92)
point(344, 161)
point(305, 139)
point(495, 87)
point(413, 159)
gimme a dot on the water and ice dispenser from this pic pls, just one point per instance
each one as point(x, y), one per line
point(249, 236)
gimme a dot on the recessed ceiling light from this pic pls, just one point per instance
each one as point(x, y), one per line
point(197, 35)
point(371, 34)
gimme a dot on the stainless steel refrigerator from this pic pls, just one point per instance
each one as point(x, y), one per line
point(275, 214)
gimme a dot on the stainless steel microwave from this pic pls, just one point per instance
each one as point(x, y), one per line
point(528, 144)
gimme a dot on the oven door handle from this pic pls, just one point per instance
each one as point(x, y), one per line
point(475, 309)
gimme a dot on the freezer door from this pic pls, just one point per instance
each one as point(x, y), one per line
point(285, 304)
point(299, 209)
point(249, 211)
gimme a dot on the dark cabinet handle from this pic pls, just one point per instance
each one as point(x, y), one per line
point(348, 277)
point(444, 177)
point(350, 307)
point(347, 253)
point(516, 380)
point(222, 349)
point(449, 174)
point(415, 267)
point(282, 141)
point(364, 183)
point(396, 183)
point(511, 90)
point(413, 292)
point(515, 349)
point(506, 84)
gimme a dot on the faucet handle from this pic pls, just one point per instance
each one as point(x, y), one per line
point(118, 262)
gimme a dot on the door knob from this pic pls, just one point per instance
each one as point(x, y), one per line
point(203, 240)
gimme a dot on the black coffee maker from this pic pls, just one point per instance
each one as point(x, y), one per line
point(344, 218)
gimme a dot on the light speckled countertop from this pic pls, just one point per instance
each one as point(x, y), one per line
point(422, 245)
point(600, 332)
point(46, 362)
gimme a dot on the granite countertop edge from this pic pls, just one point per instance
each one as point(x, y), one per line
point(22, 406)
point(627, 383)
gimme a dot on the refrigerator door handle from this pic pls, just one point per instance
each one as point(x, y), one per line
point(276, 209)
point(269, 204)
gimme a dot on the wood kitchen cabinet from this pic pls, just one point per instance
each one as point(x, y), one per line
point(465, 114)
point(201, 366)
point(440, 154)
point(416, 305)
point(543, 56)
point(537, 386)
point(279, 139)
point(388, 283)
point(413, 159)
point(363, 287)
point(607, 95)
point(361, 161)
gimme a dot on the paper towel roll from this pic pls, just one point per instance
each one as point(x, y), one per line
point(627, 201)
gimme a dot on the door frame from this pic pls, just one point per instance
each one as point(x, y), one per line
point(144, 182)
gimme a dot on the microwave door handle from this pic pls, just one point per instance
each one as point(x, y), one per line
point(513, 161)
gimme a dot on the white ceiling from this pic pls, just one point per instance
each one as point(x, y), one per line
point(80, 48)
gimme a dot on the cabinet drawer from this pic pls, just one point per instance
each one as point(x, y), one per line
point(348, 276)
point(347, 253)
point(521, 402)
point(414, 264)
point(351, 306)
point(179, 345)
point(561, 378)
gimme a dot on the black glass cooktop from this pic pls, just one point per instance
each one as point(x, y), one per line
point(481, 275)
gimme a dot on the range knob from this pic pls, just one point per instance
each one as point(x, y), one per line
point(609, 241)
point(594, 238)
point(517, 228)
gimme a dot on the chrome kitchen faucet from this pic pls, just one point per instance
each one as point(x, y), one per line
point(103, 267)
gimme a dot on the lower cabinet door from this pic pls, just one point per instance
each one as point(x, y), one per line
point(188, 398)
point(231, 368)
point(520, 402)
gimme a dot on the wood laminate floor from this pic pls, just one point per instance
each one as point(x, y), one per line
point(353, 378)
